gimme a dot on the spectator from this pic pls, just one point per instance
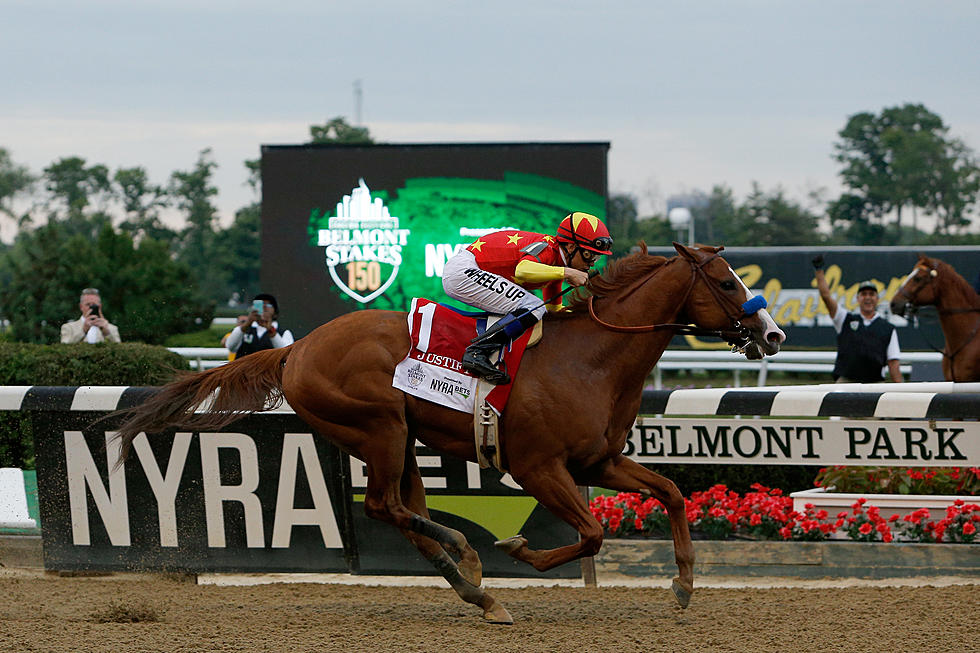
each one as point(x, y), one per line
point(261, 329)
point(91, 327)
point(242, 319)
point(866, 343)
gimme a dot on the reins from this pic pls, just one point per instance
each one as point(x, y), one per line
point(738, 336)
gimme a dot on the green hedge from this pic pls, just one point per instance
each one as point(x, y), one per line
point(85, 364)
point(73, 365)
point(697, 478)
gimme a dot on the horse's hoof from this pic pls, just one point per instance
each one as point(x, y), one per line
point(682, 592)
point(497, 614)
point(511, 544)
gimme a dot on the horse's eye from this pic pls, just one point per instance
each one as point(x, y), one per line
point(728, 284)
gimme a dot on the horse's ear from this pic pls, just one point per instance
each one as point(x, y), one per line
point(684, 251)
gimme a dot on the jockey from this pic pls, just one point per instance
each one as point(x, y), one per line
point(496, 273)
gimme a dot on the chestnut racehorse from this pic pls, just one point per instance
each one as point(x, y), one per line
point(935, 283)
point(574, 401)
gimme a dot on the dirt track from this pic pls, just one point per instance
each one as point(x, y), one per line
point(48, 613)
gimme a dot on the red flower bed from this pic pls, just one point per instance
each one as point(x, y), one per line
point(719, 513)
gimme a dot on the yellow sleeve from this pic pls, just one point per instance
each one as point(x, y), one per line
point(534, 272)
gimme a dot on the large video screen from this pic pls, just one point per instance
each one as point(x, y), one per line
point(346, 228)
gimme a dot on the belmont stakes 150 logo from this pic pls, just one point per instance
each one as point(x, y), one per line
point(364, 241)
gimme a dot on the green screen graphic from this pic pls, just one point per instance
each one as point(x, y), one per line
point(383, 247)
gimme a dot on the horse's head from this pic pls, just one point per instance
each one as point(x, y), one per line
point(719, 300)
point(920, 288)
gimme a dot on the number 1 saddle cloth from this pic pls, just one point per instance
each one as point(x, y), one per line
point(432, 369)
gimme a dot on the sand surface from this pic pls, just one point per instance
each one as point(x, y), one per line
point(45, 612)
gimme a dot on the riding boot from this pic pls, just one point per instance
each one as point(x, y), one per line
point(476, 358)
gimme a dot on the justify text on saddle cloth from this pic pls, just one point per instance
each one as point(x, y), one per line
point(432, 369)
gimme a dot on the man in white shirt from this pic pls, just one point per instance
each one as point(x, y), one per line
point(91, 327)
point(866, 343)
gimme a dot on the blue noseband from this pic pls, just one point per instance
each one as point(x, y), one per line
point(754, 305)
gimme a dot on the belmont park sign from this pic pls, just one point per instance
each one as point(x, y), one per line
point(804, 442)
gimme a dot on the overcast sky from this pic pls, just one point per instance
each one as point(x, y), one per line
point(690, 94)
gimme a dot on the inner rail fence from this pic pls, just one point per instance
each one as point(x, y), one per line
point(916, 365)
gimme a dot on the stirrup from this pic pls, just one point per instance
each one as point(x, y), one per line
point(476, 362)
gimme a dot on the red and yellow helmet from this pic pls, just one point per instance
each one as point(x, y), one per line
point(585, 231)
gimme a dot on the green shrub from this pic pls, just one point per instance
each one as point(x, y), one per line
point(85, 364)
point(16, 440)
point(73, 365)
point(900, 480)
point(210, 337)
point(739, 478)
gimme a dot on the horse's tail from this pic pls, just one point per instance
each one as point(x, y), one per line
point(208, 400)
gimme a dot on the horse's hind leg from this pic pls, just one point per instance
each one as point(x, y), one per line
point(413, 493)
point(380, 439)
point(383, 501)
point(624, 475)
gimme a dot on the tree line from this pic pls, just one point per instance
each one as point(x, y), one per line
point(89, 226)
point(898, 163)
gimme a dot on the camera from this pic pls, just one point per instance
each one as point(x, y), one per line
point(93, 309)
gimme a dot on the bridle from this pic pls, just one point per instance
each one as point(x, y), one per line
point(737, 336)
point(912, 307)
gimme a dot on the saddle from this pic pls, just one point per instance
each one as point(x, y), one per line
point(432, 368)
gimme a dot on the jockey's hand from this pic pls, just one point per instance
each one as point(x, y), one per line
point(576, 277)
point(817, 262)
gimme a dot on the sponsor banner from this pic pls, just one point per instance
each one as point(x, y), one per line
point(784, 276)
point(265, 494)
point(901, 443)
point(480, 503)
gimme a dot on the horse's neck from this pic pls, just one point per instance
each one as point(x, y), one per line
point(953, 303)
point(633, 355)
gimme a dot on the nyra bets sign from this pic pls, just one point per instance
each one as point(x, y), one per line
point(363, 245)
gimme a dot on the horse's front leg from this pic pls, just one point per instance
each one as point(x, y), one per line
point(624, 475)
point(555, 489)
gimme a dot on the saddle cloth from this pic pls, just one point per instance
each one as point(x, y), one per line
point(432, 369)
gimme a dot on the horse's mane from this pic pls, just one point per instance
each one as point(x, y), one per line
point(618, 274)
point(956, 281)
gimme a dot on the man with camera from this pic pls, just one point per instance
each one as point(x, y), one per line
point(260, 329)
point(91, 327)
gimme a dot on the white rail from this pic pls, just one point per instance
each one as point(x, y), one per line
point(202, 358)
point(815, 362)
